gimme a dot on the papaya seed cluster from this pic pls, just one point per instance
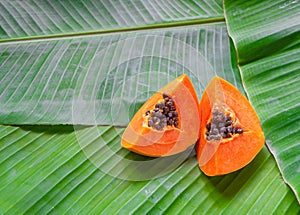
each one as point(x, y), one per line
point(164, 114)
point(221, 126)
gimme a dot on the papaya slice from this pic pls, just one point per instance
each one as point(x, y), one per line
point(167, 124)
point(230, 131)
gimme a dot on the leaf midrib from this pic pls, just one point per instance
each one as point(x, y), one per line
point(214, 20)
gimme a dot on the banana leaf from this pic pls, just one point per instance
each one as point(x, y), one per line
point(88, 80)
point(268, 46)
point(45, 169)
point(39, 19)
point(72, 75)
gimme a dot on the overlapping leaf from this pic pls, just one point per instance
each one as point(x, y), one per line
point(268, 45)
point(103, 79)
point(32, 19)
point(44, 169)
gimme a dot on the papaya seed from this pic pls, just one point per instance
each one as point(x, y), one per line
point(239, 130)
point(221, 126)
point(163, 114)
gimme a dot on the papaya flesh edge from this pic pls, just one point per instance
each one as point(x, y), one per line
point(219, 157)
point(142, 139)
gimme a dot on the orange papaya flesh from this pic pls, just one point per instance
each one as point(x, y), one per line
point(230, 131)
point(167, 124)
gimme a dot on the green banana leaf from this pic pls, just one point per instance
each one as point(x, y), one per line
point(39, 19)
point(269, 60)
point(87, 80)
point(45, 170)
point(66, 62)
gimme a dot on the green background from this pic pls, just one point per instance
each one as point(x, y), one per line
point(73, 73)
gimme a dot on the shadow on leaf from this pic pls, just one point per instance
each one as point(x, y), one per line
point(51, 129)
point(230, 184)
